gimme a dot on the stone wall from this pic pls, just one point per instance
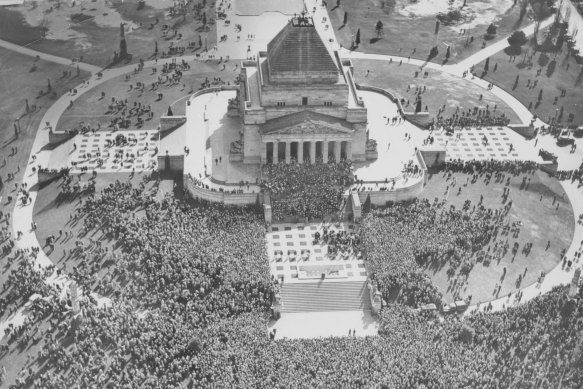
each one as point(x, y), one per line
point(45, 176)
point(174, 163)
point(549, 167)
point(356, 115)
point(317, 95)
point(359, 143)
point(276, 112)
point(221, 197)
point(528, 132)
point(431, 157)
point(56, 138)
point(421, 119)
point(356, 207)
point(168, 123)
point(253, 144)
point(267, 212)
point(380, 198)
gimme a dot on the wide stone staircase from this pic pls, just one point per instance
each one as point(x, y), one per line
point(325, 296)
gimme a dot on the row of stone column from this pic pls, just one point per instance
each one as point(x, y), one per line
point(300, 151)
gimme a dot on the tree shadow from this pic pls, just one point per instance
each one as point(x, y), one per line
point(513, 50)
point(374, 40)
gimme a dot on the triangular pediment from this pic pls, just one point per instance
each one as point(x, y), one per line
point(307, 122)
point(310, 127)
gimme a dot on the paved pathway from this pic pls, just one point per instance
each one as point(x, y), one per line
point(48, 57)
point(558, 276)
point(22, 215)
point(494, 48)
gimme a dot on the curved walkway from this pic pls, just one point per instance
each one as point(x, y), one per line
point(558, 276)
point(22, 216)
point(48, 57)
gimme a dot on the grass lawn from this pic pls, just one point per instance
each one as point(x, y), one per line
point(91, 108)
point(17, 83)
point(409, 27)
point(541, 222)
point(560, 72)
point(442, 88)
point(96, 41)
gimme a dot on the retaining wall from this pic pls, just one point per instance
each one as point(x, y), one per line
point(221, 197)
point(381, 197)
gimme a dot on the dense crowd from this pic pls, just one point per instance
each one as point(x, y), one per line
point(475, 118)
point(534, 345)
point(193, 294)
point(477, 166)
point(306, 190)
point(424, 234)
point(572, 175)
point(218, 260)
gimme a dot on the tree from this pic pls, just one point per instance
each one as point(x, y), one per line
point(517, 39)
point(345, 18)
point(357, 39)
point(543, 60)
point(491, 30)
point(204, 19)
point(379, 29)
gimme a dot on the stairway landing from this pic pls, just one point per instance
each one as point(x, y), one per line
point(309, 325)
point(286, 237)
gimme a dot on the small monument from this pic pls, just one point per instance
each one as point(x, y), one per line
point(123, 46)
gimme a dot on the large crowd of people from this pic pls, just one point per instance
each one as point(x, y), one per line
point(192, 292)
point(424, 234)
point(309, 191)
point(477, 166)
point(218, 259)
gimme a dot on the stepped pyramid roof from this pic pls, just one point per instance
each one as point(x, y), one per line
point(297, 55)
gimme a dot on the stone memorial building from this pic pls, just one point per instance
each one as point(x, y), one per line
point(298, 101)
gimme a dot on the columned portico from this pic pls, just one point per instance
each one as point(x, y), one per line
point(349, 151)
point(286, 147)
point(337, 149)
point(264, 153)
point(275, 151)
point(287, 152)
point(300, 151)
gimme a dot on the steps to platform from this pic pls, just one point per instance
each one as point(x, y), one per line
point(323, 296)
